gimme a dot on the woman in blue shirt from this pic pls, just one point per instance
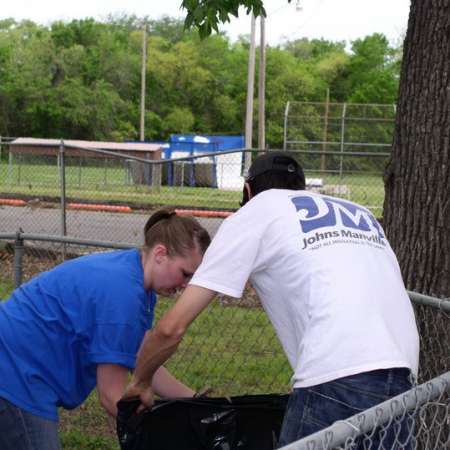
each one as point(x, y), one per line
point(80, 325)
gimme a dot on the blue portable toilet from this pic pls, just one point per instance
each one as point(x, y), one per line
point(222, 171)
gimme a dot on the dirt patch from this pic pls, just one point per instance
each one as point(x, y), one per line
point(37, 260)
point(33, 262)
point(249, 299)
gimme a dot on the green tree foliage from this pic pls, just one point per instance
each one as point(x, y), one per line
point(206, 14)
point(81, 79)
point(179, 120)
point(372, 72)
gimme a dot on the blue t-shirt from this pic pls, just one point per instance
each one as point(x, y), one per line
point(56, 329)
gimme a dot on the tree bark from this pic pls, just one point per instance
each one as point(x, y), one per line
point(417, 178)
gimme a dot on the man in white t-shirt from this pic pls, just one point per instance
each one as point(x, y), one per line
point(330, 284)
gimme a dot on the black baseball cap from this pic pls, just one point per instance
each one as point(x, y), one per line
point(275, 162)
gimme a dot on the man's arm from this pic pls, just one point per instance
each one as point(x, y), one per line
point(162, 341)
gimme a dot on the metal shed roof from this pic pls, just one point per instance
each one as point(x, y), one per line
point(130, 146)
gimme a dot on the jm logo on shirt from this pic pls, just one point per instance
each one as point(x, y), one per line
point(320, 212)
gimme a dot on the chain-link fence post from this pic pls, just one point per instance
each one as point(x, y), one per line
point(62, 185)
point(62, 182)
point(285, 135)
point(10, 167)
point(18, 258)
point(341, 161)
point(156, 171)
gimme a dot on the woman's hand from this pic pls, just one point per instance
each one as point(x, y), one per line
point(165, 385)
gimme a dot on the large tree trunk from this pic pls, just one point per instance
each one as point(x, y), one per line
point(417, 180)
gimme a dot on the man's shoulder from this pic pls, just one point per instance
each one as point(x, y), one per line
point(323, 198)
point(274, 197)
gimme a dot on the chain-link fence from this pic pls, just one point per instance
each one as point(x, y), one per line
point(346, 144)
point(89, 193)
point(340, 127)
point(86, 193)
point(96, 196)
point(417, 419)
point(233, 348)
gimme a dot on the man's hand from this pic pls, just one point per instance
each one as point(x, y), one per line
point(142, 392)
point(162, 341)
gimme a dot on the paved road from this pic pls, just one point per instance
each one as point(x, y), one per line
point(102, 226)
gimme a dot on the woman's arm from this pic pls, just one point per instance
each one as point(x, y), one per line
point(111, 382)
point(165, 385)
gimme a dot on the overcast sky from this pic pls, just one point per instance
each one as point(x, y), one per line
point(337, 20)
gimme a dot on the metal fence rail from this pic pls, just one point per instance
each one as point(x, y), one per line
point(338, 126)
point(416, 419)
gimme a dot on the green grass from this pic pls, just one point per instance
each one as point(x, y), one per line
point(366, 190)
point(138, 195)
point(111, 185)
point(232, 349)
point(6, 288)
point(98, 184)
point(78, 440)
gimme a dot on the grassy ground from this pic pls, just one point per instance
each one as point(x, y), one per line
point(6, 287)
point(109, 185)
point(112, 184)
point(232, 349)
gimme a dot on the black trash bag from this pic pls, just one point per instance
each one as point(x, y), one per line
point(218, 431)
point(251, 422)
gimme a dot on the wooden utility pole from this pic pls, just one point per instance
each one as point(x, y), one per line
point(250, 93)
point(262, 87)
point(143, 73)
point(154, 169)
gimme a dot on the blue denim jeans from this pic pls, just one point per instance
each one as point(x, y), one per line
point(20, 430)
point(314, 408)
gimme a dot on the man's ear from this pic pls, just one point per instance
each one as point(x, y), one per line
point(159, 252)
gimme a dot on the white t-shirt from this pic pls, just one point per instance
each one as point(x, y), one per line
point(327, 278)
